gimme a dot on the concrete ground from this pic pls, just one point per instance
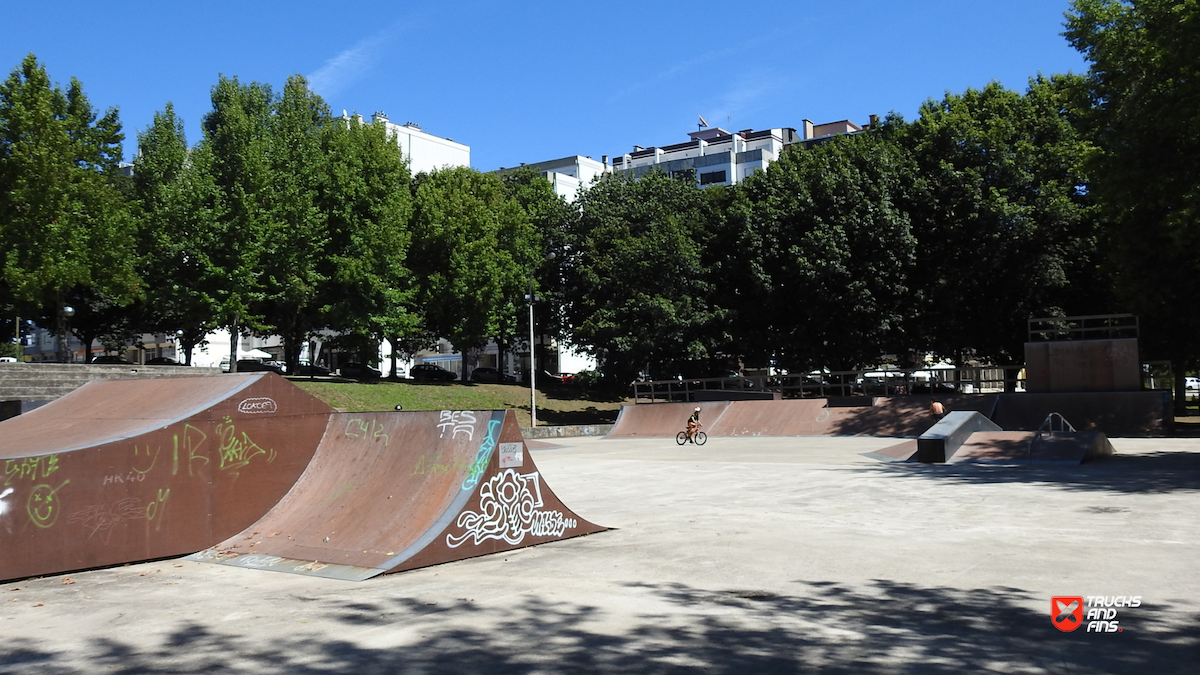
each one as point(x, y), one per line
point(747, 555)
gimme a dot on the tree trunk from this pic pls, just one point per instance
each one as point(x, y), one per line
point(1180, 396)
point(394, 341)
point(234, 339)
point(291, 351)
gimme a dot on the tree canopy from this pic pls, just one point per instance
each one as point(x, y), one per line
point(1143, 86)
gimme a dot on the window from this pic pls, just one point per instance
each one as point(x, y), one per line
point(712, 177)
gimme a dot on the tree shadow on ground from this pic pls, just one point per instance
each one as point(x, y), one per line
point(1156, 472)
point(879, 627)
point(588, 415)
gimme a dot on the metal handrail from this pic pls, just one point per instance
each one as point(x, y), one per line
point(1047, 426)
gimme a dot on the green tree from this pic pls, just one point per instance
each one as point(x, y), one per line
point(552, 218)
point(178, 198)
point(237, 140)
point(472, 244)
point(1006, 226)
point(637, 287)
point(65, 225)
point(832, 249)
point(1144, 84)
point(364, 196)
point(294, 226)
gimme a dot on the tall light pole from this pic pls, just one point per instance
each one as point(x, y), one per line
point(531, 298)
point(64, 319)
point(532, 361)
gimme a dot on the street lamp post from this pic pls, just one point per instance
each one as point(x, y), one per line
point(531, 298)
point(532, 361)
point(64, 318)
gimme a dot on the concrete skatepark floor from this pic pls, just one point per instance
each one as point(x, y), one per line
point(748, 555)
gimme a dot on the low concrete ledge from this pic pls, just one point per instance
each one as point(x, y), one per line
point(947, 436)
point(566, 431)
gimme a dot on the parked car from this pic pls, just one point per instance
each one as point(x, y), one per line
point(163, 361)
point(112, 360)
point(359, 371)
point(252, 366)
point(488, 374)
point(428, 372)
point(1191, 382)
point(556, 378)
point(310, 369)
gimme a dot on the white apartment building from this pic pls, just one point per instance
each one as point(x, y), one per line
point(425, 152)
point(568, 174)
point(715, 156)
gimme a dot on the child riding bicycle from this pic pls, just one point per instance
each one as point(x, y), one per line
point(693, 424)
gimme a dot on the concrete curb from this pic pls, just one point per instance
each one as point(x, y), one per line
point(566, 431)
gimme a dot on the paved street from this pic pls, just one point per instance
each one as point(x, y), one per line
point(746, 555)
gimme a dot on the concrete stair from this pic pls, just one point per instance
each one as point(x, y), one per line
point(48, 381)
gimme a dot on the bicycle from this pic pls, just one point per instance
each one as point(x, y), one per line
point(698, 438)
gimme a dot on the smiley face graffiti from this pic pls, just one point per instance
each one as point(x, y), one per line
point(42, 506)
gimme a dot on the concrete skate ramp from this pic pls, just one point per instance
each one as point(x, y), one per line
point(906, 416)
point(1016, 447)
point(664, 420)
point(901, 452)
point(1140, 413)
point(903, 416)
point(121, 471)
point(394, 491)
point(794, 417)
point(943, 439)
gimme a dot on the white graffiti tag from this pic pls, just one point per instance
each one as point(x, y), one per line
point(461, 421)
point(102, 519)
point(509, 509)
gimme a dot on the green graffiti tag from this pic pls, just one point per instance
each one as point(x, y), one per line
point(33, 468)
point(425, 465)
point(157, 507)
point(42, 505)
point(367, 429)
point(237, 452)
point(193, 438)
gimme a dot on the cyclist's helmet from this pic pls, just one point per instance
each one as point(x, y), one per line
point(697, 408)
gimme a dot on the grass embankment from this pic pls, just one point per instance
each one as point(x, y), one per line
point(554, 407)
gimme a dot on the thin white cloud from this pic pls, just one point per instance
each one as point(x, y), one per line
point(691, 66)
point(743, 99)
point(350, 65)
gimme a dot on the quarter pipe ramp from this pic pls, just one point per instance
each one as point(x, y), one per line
point(127, 470)
point(394, 491)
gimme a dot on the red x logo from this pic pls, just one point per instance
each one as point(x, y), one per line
point(1066, 612)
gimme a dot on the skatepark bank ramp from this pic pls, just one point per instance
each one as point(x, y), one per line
point(1146, 413)
point(394, 491)
point(878, 416)
point(122, 471)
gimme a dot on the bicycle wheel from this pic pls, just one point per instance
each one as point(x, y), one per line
point(681, 437)
point(701, 437)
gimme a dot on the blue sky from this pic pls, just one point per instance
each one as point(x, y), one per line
point(529, 81)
